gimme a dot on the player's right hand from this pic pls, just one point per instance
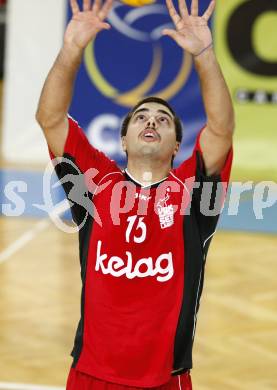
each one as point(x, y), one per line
point(86, 23)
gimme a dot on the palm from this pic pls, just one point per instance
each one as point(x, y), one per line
point(192, 31)
point(82, 28)
point(85, 24)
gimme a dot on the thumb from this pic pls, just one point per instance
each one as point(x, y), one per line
point(171, 33)
point(105, 26)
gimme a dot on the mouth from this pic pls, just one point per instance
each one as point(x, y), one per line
point(150, 135)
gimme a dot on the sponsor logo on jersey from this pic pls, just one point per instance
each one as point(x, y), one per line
point(165, 211)
point(160, 268)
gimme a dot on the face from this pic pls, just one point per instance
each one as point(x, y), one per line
point(151, 131)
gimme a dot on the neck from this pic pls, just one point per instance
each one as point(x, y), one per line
point(148, 172)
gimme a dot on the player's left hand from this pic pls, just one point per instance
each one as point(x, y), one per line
point(192, 32)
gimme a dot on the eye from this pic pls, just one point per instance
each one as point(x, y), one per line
point(140, 117)
point(163, 119)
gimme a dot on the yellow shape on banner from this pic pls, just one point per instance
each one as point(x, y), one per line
point(255, 135)
point(265, 43)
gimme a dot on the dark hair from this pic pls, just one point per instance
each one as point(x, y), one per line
point(154, 99)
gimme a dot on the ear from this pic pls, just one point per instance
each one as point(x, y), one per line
point(176, 149)
point(123, 143)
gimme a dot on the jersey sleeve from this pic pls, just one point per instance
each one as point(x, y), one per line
point(207, 193)
point(80, 170)
point(194, 166)
point(83, 155)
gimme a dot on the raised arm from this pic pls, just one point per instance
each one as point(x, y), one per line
point(193, 35)
point(57, 91)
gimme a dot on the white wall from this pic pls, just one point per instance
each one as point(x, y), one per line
point(34, 35)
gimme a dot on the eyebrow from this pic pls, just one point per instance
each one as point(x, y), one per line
point(147, 110)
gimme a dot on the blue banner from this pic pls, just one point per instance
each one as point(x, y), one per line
point(129, 62)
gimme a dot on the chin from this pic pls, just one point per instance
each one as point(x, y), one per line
point(149, 150)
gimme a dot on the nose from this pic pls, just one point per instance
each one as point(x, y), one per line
point(151, 122)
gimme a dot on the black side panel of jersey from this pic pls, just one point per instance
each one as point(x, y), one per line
point(84, 237)
point(76, 191)
point(192, 274)
point(197, 229)
point(208, 197)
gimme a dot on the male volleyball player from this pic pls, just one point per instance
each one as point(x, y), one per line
point(142, 265)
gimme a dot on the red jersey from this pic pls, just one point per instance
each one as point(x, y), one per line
point(142, 254)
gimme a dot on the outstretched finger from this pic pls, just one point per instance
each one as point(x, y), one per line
point(86, 5)
point(74, 7)
point(183, 8)
point(171, 33)
point(194, 7)
point(172, 12)
point(103, 13)
point(209, 11)
point(96, 6)
point(104, 26)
